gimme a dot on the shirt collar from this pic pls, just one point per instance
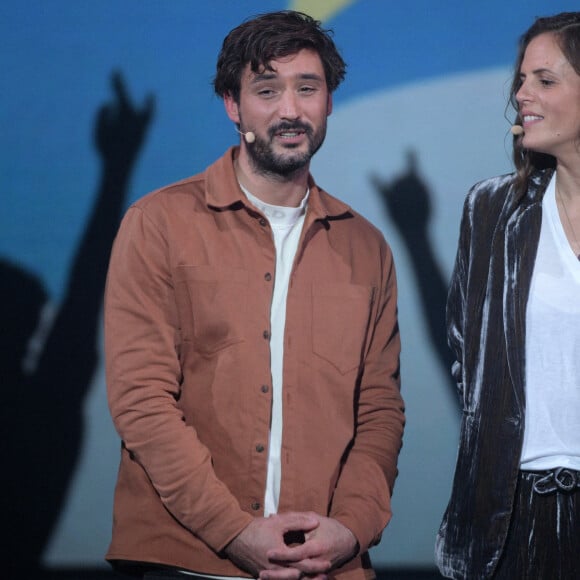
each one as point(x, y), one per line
point(223, 190)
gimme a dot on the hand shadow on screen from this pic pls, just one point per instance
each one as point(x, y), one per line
point(42, 410)
point(407, 202)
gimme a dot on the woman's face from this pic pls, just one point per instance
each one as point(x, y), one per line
point(549, 100)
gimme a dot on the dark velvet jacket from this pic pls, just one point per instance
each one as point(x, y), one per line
point(486, 314)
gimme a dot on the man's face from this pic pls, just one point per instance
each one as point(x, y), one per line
point(286, 109)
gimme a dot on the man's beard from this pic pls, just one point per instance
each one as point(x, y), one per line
point(266, 162)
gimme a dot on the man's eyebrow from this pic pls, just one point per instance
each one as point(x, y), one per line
point(265, 76)
point(269, 75)
point(311, 77)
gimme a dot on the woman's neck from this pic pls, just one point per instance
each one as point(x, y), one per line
point(568, 182)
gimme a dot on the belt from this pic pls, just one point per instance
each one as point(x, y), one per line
point(559, 479)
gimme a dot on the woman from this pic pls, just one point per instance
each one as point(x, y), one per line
point(513, 317)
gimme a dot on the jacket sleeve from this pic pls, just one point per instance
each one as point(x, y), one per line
point(362, 497)
point(142, 344)
point(457, 295)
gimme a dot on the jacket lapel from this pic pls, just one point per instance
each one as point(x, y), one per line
point(521, 244)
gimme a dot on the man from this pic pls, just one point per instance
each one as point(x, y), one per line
point(252, 343)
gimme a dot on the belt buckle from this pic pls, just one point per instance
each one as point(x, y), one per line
point(566, 479)
point(559, 479)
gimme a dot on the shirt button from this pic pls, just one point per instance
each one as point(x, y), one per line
point(263, 221)
point(266, 334)
point(259, 448)
point(256, 506)
point(267, 276)
point(264, 388)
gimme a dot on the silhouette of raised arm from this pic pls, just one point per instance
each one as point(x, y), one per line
point(47, 425)
point(407, 202)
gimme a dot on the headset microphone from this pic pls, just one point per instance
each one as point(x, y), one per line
point(517, 130)
point(249, 136)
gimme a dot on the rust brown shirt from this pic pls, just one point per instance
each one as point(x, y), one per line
point(187, 327)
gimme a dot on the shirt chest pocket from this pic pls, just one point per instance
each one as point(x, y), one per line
point(340, 319)
point(212, 306)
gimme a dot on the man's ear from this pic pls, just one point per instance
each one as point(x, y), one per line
point(329, 105)
point(232, 108)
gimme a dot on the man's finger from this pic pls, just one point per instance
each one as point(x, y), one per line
point(298, 521)
point(280, 574)
point(313, 566)
point(294, 554)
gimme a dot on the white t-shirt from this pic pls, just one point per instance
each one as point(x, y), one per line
point(552, 424)
point(286, 223)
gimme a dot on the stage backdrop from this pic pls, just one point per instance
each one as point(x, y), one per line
point(420, 118)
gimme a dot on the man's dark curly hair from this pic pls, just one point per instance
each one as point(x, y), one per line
point(268, 37)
